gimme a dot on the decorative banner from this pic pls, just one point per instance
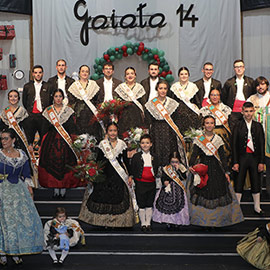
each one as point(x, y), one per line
point(190, 32)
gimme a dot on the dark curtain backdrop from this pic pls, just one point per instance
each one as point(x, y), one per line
point(254, 4)
point(16, 6)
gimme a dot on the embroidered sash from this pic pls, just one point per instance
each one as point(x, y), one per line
point(131, 95)
point(13, 123)
point(220, 115)
point(108, 151)
point(172, 174)
point(60, 129)
point(89, 103)
point(164, 113)
point(209, 145)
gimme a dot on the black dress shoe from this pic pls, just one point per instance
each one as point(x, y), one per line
point(143, 228)
point(261, 213)
point(149, 228)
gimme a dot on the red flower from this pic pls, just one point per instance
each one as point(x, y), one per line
point(113, 101)
point(125, 134)
point(92, 172)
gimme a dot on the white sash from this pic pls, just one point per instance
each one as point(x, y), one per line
point(89, 103)
point(108, 151)
point(131, 95)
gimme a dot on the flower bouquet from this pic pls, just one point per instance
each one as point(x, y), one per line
point(132, 137)
point(87, 168)
point(112, 109)
point(191, 134)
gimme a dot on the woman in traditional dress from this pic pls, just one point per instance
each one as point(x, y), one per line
point(56, 151)
point(18, 112)
point(183, 91)
point(255, 247)
point(132, 115)
point(221, 113)
point(16, 117)
point(163, 133)
point(110, 203)
point(83, 100)
point(171, 205)
point(215, 204)
point(21, 231)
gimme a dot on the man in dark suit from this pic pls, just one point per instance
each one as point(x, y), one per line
point(61, 80)
point(237, 90)
point(248, 154)
point(150, 83)
point(107, 84)
point(36, 97)
point(205, 84)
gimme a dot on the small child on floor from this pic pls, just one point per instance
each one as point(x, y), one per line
point(144, 167)
point(61, 233)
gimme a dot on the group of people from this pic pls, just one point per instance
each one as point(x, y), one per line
point(229, 125)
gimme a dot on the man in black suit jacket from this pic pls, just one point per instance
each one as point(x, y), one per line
point(149, 84)
point(36, 97)
point(205, 84)
point(107, 84)
point(237, 90)
point(248, 154)
point(61, 80)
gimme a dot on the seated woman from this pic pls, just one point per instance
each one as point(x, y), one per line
point(130, 90)
point(221, 113)
point(213, 204)
point(183, 91)
point(56, 150)
point(110, 203)
point(21, 231)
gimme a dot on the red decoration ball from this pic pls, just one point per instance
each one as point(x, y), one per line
point(125, 54)
point(117, 49)
point(169, 72)
point(163, 74)
point(124, 48)
point(146, 50)
point(106, 57)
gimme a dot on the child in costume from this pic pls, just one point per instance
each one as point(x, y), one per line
point(61, 233)
point(144, 168)
point(248, 154)
point(213, 204)
point(254, 247)
point(171, 204)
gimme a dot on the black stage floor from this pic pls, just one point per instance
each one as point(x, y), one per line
point(189, 248)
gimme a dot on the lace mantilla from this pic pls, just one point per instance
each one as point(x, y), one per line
point(63, 116)
point(189, 92)
point(226, 110)
point(119, 148)
point(20, 114)
point(216, 141)
point(138, 91)
point(14, 162)
point(170, 105)
point(91, 90)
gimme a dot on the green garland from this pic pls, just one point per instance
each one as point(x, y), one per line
point(150, 55)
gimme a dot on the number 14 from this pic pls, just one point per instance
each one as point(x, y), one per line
point(187, 16)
